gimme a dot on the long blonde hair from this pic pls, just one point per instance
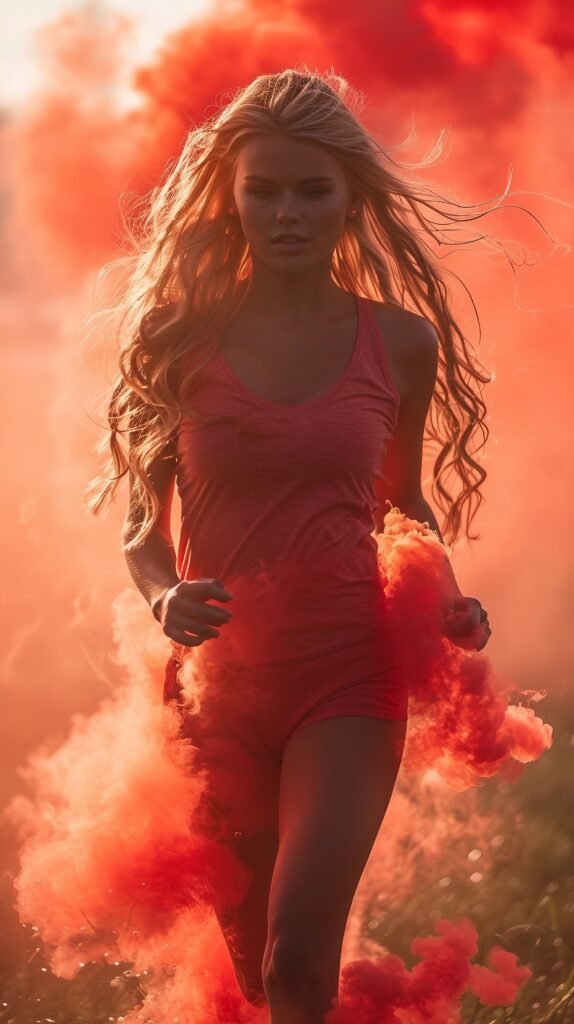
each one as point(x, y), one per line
point(188, 273)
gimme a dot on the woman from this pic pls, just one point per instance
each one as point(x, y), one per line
point(289, 408)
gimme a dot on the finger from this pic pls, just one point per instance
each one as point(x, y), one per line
point(462, 605)
point(188, 605)
point(184, 639)
point(183, 622)
point(462, 601)
point(470, 605)
point(464, 633)
point(208, 587)
point(485, 638)
point(210, 613)
point(475, 612)
point(460, 625)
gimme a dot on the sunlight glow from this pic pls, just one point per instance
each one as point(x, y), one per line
point(21, 74)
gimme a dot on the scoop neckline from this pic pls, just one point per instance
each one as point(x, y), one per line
point(299, 406)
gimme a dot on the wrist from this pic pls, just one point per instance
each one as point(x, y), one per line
point(451, 585)
point(156, 603)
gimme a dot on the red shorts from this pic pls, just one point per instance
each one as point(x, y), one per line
point(299, 695)
point(246, 714)
point(301, 647)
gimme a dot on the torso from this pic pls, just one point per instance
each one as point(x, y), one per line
point(287, 483)
point(307, 367)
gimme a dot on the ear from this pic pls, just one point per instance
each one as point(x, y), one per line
point(356, 205)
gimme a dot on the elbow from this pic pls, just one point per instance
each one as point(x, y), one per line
point(130, 539)
point(129, 532)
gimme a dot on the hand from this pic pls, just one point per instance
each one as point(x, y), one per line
point(185, 616)
point(465, 622)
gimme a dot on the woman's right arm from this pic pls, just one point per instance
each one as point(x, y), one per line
point(181, 606)
point(152, 566)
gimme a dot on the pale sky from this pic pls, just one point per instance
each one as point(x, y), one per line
point(19, 73)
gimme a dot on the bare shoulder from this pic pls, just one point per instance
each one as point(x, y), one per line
point(412, 346)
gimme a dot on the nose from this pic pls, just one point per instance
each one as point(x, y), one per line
point(287, 212)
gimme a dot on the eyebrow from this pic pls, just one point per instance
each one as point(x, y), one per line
point(269, 181)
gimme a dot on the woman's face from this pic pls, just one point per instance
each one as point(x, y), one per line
point(288, 185)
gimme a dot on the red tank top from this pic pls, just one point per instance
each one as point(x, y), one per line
point(290, 488)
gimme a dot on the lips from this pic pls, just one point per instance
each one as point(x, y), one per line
point(289, 238)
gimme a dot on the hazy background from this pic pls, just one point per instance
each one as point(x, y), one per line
point(95, 100)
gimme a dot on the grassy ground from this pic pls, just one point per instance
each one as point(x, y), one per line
point(525, 902)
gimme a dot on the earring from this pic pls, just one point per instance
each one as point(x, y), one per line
point(352, 213)
point(230, 228)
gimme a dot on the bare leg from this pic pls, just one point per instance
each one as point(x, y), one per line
point(337, 778)
point(245, 926)
point(239, 809)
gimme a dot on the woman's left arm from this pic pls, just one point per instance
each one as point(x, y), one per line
point(465, 621)
point(420, 510)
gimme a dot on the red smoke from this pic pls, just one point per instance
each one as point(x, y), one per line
point(499, 76)
point(75, 152)
point(370, 992)
point(116, 868)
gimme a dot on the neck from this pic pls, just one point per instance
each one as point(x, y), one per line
point(288, 298)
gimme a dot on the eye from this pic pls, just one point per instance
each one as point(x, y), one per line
point(315, 192)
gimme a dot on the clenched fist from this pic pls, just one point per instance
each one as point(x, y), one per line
point(185, 615)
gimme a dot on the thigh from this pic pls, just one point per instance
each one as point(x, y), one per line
point(240, 789)
point(240, 772)
point(337, 777)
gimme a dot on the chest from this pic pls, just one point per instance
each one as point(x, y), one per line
point(289, 368)
point(246, 445)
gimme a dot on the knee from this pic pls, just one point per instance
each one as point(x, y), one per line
point(293, 966)
point(253, 990)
